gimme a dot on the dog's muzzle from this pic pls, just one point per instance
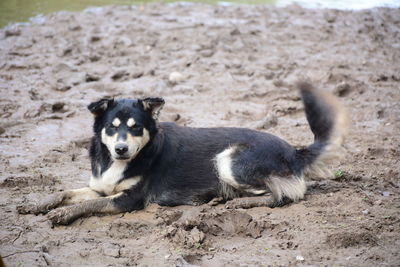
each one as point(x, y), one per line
point(121, 149)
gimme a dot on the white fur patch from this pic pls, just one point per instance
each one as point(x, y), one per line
point(136, 143)
point(255, 191)
point(116, 122)
point(293, 187)
point(130, 122)
point(80, 195)
point(108, 183)
point(224, 166)
point(109, 141)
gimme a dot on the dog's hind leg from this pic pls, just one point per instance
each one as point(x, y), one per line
point(58, 199)
point(284, 191)
point(244, 168)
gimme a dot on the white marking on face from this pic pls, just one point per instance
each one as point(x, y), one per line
point(130, 122)
point(116, 122)
point(109, 141)
point(134, 143)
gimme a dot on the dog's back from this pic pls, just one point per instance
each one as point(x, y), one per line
point(196, 164)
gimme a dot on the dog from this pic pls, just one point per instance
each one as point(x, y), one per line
point(137, 160)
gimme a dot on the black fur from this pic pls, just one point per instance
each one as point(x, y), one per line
point(177, 165)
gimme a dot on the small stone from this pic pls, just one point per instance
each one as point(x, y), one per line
point(385, 193)
point(12, 31)
point(235, 32)
point(269, 75)
point(365, 212)
point(167, 256)
point(90, 77)
point(62, 87)
point(95, 38)
point(75, 27)
point(380, 113)
point(137, 74)
point(176, 77)
point(177, 117)
point(269, 122)
point(342, 89)
point(330, 17)
point(112, 252)
point(94, 57)
point(278, 83)
point(58, 107)
point(119, 74)
point(207, 53)
point(84, 253)
point(299, 258)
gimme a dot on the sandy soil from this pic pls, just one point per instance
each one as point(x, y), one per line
point(238, 65)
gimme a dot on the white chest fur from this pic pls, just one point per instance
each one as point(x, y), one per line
point(108, 183)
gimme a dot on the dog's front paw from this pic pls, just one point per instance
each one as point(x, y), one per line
point(47, 204)
point(28, 208)
point(61, 216)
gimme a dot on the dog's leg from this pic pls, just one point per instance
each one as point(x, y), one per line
point(238, 167)
point(252, 202)
point(215, 201)
point(58, 199)
point(249, 202)
point(121, 202)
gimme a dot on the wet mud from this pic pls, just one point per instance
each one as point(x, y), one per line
point(215, 66)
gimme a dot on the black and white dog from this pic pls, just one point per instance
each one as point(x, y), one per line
point(136, 160)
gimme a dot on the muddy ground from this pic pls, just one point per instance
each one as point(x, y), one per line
point(238, 65)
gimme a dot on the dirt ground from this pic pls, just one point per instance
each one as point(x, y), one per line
point(237, 66)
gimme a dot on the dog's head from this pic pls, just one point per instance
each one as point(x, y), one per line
point(125, 126)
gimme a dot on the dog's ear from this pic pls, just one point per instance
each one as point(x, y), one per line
point(153, 105)
point(98, 107)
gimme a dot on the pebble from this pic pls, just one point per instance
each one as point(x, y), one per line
point(91, 77)
point(112, 252)
point(137, 74)
point(269, 122)
point(58, 106)
point(84, 253)
point(385, 193)
point(342, 89)
point(207, 53)
point(299, 258)
point(176, 77)
point(365, 212)
point(119, 74)
point(12, 31)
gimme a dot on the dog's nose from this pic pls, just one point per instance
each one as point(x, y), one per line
point(121, 149)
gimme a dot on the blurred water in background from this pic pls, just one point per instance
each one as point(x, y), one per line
point(22, 10)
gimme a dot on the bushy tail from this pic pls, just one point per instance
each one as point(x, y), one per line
point(328, 122)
